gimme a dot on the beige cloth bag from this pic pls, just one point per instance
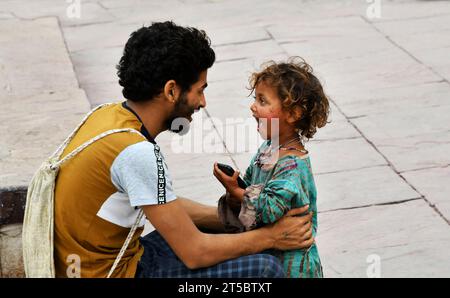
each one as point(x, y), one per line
point(38, 222)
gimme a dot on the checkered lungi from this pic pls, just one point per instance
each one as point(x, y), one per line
point(159, 260)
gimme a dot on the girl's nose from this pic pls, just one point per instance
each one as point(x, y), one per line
point(253, 108)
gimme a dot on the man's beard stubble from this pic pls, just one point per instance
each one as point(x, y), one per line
point(178, 122)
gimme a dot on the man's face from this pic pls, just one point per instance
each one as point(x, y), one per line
point(189, 102)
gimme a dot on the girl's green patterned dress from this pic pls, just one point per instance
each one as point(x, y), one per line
point(274, 190)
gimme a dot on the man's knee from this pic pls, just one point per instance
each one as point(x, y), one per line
point(272, 267)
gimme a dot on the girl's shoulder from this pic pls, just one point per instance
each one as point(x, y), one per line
point(293, 161)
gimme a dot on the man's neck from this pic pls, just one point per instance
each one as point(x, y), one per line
point(152, 116)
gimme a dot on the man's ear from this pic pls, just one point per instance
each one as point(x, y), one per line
point(171, 91)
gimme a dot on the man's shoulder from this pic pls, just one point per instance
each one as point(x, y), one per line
point(140, 150)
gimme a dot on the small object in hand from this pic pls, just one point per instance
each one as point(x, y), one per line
point(230, 172)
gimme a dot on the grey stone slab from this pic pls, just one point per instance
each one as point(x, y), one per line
point(415, 26)
point(34, 9)
point(97, 65)
point(109, 4)
point(434, 185)
point(420, 41)
point(324, 10)
point(97, 74)
point(43, 87)
point(404, 123)
point(241, 68)
point(237, 13)
point(230, 70)
point(310, 30)
point(98, 36)
point(90, 11)
point(99, 93)
point(410, 139)
point(377, 185)
point(5, 15)
point(391, 68)
point(41, 123)
point(418, 152)
point(393, 12)
point(410, 239)
point(97, 56)
point(239, 34)
point(387, 100)
point(335, 130)
point(436, 58)
point(22, 67)
point(335, 113)
point(228, 99)
point(329, 49)
point(248, 50)
point(343, 155)
point(145, 11)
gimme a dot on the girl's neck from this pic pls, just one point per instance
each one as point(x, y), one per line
point(291, 138)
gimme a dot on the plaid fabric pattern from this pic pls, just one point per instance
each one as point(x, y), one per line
point(159, 260)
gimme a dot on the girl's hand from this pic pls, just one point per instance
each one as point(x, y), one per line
point(230, 183)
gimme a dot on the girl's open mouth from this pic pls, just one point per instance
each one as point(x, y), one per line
point(257, 121)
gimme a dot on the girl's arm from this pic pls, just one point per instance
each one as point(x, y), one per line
point(274, 201)
point(278, 195)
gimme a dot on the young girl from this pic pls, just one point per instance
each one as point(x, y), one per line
point(290, 105)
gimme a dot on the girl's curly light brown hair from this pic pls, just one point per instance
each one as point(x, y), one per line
point(296, 85)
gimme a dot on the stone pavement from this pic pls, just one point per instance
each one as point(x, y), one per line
point(382, 164)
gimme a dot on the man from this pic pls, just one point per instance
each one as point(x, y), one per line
point(99, 193)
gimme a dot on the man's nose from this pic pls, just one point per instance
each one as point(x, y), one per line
point(203, 101)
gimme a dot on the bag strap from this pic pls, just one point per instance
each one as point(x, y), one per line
point(161, 187)
point(86, 144)
point(126, 243)
point(57, 154)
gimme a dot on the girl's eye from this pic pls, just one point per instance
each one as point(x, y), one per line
point(260, 99)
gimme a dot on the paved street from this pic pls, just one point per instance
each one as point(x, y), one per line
point(382, 165)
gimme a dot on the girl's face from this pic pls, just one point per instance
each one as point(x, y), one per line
point(268, 112)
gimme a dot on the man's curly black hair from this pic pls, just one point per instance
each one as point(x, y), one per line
point(161, 52)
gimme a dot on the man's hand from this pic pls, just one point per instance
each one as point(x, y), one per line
point(230, 183)
point(293, 231)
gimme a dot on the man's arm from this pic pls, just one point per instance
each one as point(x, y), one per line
point(203, 216)
point(198, 250)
